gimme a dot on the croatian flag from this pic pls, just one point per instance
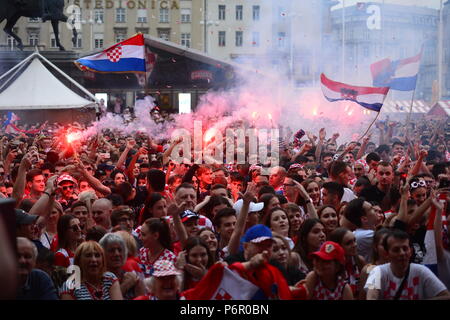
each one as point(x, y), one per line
point(368, 97)
point(398, 75)
point(221, 283)
point(125, 56)
point(11, 117)
point(430, 257)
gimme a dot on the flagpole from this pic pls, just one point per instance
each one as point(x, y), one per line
point(408, 119)
point(378, 113)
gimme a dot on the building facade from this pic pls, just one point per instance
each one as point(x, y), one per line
point(446, 51)
point(101, 23)
point(374, 31)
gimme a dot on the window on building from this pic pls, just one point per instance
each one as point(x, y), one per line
point(239, 38)
point(120, 15)
point(222, 12)
point(239, 10)
point(185, 15)
point(99, 16)
point(11, 42)
point(366, 52)
point(98, 41)
point(255, 13)
point(120, 36)
point(222, 42)
point(52, 41)
point(255, 39)
point(142, 16)
point(33, 39)
point(164, 34)
point(164, 15)
point(186, 39)
point(79, 42)
point(281, 39)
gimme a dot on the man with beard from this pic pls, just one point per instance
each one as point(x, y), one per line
point(379, 192)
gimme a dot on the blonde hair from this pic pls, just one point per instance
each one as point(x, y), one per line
point(88, 246)
point(130, 243)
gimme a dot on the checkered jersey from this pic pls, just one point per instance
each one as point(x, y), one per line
point(147, 266)
point(322, 293)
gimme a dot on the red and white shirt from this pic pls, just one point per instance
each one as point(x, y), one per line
point(421, 284)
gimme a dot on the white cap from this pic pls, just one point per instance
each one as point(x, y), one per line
point(254, 207)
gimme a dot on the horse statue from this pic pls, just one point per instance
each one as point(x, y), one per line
point(52, 10)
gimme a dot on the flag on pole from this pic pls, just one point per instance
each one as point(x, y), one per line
point(368, 97)
point(399, 75)
point(11, 117)
point(126, 56)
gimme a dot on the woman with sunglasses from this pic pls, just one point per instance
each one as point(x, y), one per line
point(96, 282)
point(69, 237)
point(418, 190)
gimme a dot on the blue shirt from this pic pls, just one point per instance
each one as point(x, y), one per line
point(39, 286)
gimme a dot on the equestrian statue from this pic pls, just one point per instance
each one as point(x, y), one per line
point(53, 10)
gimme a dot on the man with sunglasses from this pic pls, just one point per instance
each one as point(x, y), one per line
point(66, 185)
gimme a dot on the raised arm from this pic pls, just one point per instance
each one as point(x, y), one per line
point(93, 181)
point(174, 211)
point(312, 212)
point(362, 150)
point(43, 206)
point(233, 245)
point(123, 157)
point(168, 152)
point(438, 228)
point(322, 135)
point(19, 185)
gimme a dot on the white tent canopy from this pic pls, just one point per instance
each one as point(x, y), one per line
point(37, 88)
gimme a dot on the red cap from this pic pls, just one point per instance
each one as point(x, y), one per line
point(330, 251)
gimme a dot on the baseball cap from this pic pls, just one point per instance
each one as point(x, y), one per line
point(164, 268)
point(330, 251)
point(188, 214)
point(253, 207)
point(66, 177)
point(23, 218)
point(257, 234)
point(295, 166)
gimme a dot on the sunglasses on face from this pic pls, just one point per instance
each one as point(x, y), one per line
point(46, 175)
point(67, 188)
point(418, 184)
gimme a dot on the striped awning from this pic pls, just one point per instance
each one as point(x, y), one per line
point(402, 106)
point(445, 105)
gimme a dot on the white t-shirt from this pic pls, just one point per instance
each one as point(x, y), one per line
point(421, 284)
point(364, 240)
point(348, 195)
